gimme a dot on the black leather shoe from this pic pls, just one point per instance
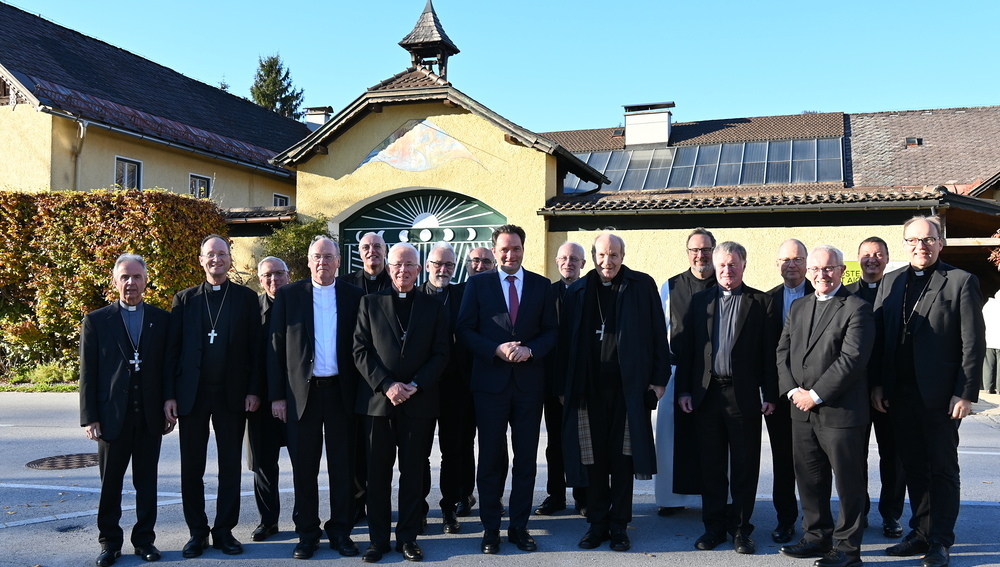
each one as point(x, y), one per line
point(491, 542)
point(836, 558)
point(668, 510)
point(937, 556)
point(374, 553)
point(709, 541)
point(744, 545)
point(227, 543)
point(194, 547)
point(522, 539)
point(891, 528)
point(550, 506)
point(911, 545)
point(450, 522)
point(805, 549)
point(107, 557)
point(305, 548)
point(465, 506)
point(148, 552)
point(593, 538)
point(344, 546)
point(264, 531)
point(620, 541)
point(411, 551)
point(783, 533)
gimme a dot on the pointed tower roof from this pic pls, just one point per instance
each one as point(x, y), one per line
point(428, 34)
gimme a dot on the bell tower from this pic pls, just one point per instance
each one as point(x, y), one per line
point(428, 44)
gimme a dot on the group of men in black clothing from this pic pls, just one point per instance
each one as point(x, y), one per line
point(366, 365)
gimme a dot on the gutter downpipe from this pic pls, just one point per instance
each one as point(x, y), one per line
point(77, 151)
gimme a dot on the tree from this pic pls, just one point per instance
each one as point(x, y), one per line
point(291, 244)
point(272, 88)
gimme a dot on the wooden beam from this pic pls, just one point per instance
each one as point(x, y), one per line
point(974, 241)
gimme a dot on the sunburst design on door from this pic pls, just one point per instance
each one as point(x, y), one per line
point(422, 219)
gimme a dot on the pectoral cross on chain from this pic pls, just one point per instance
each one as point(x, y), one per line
point(211, 337)
point(135, 361)
point(403, 338)
point(600, 333)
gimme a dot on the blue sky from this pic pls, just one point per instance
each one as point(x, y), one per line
point(557, 65)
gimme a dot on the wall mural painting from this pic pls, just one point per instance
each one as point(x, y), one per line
point(418, 145)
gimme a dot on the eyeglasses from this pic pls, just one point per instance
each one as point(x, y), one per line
point(272, 275)
point(215, 255)
point(367, 247)
point(571, 259)
point(322, 257)
point(700, 250)
point(824, 269)
point(928, 241)
point(795, 260)
point(404, 266)
point(483, 261)
point(449, 265)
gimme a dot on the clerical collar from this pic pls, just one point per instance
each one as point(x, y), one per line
point(872, 285)
point(370, 277)
point(216, 287)
point(926, 271)
point(607, 283)
point(821, 297)
point(801, 288)
point(318, 285)
point(738, 290)
point(434, 289)
point(402, 294)
point(129, 307)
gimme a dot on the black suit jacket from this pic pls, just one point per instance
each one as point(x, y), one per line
point(949, 335)
point(105, 350)
point(484, 323)
point(383, 358)
point(293, 341)
point(458, 357)
point(778, 294)
point(829, 356)
point(753, 356)
point(242, 356)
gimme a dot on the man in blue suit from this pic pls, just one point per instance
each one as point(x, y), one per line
point(508, 322)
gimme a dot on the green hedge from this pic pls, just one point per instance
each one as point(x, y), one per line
point(56, 254)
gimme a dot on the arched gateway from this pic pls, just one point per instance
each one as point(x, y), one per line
point(422, 217)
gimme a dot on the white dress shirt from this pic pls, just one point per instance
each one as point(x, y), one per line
point(325, 330)
point(505, 285)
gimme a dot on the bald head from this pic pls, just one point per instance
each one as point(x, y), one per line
point(570, 258)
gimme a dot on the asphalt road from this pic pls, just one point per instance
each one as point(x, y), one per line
point(49, 517)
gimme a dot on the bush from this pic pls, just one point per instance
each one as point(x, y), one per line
point(56, 254)
point(291, 244)
point(51, 373)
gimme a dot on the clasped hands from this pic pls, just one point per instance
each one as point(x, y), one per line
point(513, 351)
point(400, 392)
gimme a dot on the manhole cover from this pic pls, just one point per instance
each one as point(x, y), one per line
point(63, 462)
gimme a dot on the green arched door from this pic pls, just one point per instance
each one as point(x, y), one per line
point(422, 218)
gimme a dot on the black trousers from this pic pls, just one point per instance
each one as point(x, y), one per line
point(730, 454)
point(779, 432)
point(142, 447)
point(457, 439)
point(522, 411)
point(265, 436)
point(411, 437)
point(323, 423)
point(890, 468)
point(555, 485)
point(822, 454)
point(610, 478)
point(927, 439)
point(211, 406)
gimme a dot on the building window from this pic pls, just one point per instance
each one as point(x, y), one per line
point(201, 187)
point(281, 200)
point(128, 173)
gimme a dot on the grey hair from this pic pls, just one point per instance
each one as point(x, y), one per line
point(320, 237)
point(404, 246)
point(442, 245)
point(933, 220)
point(129, 257)
point(837, 254)
point(273, 259)
point(730, 247)
point(577, 247)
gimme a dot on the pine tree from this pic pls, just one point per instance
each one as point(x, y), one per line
point(272, 88)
